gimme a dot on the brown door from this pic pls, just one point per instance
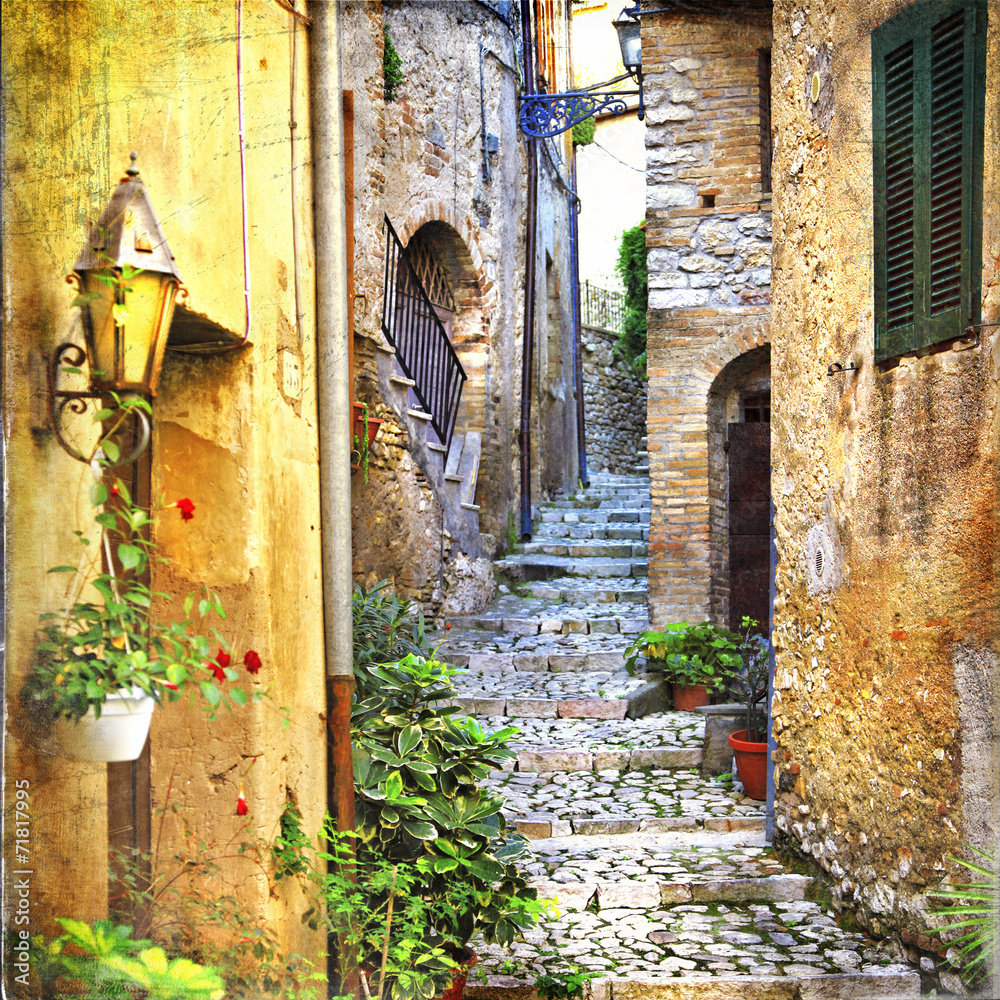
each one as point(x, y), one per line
point(749, 522)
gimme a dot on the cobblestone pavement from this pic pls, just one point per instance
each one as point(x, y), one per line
point(661, 879)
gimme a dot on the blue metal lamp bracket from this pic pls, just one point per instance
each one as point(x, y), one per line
point(546, 115)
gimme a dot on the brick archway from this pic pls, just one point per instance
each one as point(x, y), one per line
point(688, 351)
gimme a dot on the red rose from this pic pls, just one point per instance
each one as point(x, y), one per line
point(186, 508)
point(241, 805)
point(252, 661)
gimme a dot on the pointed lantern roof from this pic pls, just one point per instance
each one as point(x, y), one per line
point(128, 232)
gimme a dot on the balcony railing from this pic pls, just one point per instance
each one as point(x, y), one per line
point(423, 349)
point(602, 307)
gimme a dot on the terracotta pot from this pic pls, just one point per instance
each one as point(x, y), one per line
point(688, 697)
point(359, 428)
point(751, 764)
point(457, 987)
point(119, 734)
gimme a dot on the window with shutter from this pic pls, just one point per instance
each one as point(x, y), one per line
point(929, 85)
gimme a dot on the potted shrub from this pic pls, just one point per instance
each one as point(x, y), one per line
point(696, 659)
point(751, 683)
point(364, 433)
point(103, 661)
point(417, 768)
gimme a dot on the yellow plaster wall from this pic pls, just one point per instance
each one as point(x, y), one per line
point(885, 701)
point(85, 84)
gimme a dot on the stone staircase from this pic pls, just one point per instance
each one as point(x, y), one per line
point(451, 471)
point(664, 883)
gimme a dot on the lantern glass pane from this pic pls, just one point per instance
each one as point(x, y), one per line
point(630, 40)
point(100, 330)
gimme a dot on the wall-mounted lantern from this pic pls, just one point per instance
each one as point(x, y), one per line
point(128, 285)
point(545, 115)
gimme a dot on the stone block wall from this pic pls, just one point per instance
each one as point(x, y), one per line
point(708, 239)
point(614, 406)
point(887, 620)
point(421, 160)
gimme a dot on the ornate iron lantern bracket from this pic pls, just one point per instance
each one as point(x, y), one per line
point(59, 400)
point(546, 115)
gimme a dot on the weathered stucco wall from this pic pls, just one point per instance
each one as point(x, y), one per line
point(230, 431)
point(708, 239)
point(887, 621)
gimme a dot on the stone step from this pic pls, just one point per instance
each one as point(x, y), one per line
point(577, 591)
point(611, 516)
point(586, 548)
point(615, 801)
point(635, 531)
point(667, 739)
point(560, 621)
point(542, 567)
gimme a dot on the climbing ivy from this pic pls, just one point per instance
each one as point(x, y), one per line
point(631, 346)
point(583, 132)
point(392, 72)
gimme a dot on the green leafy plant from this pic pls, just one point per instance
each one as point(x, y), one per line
point(383, 923)
point(392, 71)
point(750, 682)
point(417, 769)
point(631, 266)
point(98, 645)
point(703, 654)
point(563, 984)
point(975, 911)
point(583, 132)
point(114, 965)
point(385, 629)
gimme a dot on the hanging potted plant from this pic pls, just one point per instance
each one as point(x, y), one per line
point(363, 436)
point(751, 683)
point(696, 659)
point(103, 662)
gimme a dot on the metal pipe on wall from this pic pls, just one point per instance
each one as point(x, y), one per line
point(334, 401)
point(574, 239)
point(530, 71)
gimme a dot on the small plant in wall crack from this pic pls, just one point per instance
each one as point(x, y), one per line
point(392, 71)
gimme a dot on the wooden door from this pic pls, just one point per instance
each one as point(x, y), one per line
point(749, 522)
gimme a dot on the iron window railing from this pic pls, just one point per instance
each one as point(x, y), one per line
point(423, 349)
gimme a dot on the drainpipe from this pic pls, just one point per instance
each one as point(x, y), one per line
point(334, 402)
point(529, 284)
point(574, 239)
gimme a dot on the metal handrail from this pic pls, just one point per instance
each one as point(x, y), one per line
point(410, 323)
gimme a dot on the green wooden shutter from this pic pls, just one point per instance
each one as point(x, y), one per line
point(928, 68)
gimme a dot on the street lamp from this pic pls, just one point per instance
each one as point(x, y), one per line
point(128, 285)
point(545, 115)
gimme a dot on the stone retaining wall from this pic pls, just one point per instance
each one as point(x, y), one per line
point(614, 405)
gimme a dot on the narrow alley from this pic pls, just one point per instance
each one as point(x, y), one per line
point(660, 876)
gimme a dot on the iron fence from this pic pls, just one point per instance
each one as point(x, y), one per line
point(602, 307)
point(423, 349)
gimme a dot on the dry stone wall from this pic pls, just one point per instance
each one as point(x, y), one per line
point(614, 406)
point(885, 483)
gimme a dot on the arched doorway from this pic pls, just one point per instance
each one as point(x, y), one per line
point(739, 414)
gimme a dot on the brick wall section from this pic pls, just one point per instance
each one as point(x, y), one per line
point(688, 538)
point(708, 237)
point(614, 406)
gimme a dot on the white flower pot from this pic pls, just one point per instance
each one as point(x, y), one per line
point(119, 734)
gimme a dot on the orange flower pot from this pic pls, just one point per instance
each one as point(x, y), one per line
point(688, 697)
point(457, 987)
point(751, 764)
